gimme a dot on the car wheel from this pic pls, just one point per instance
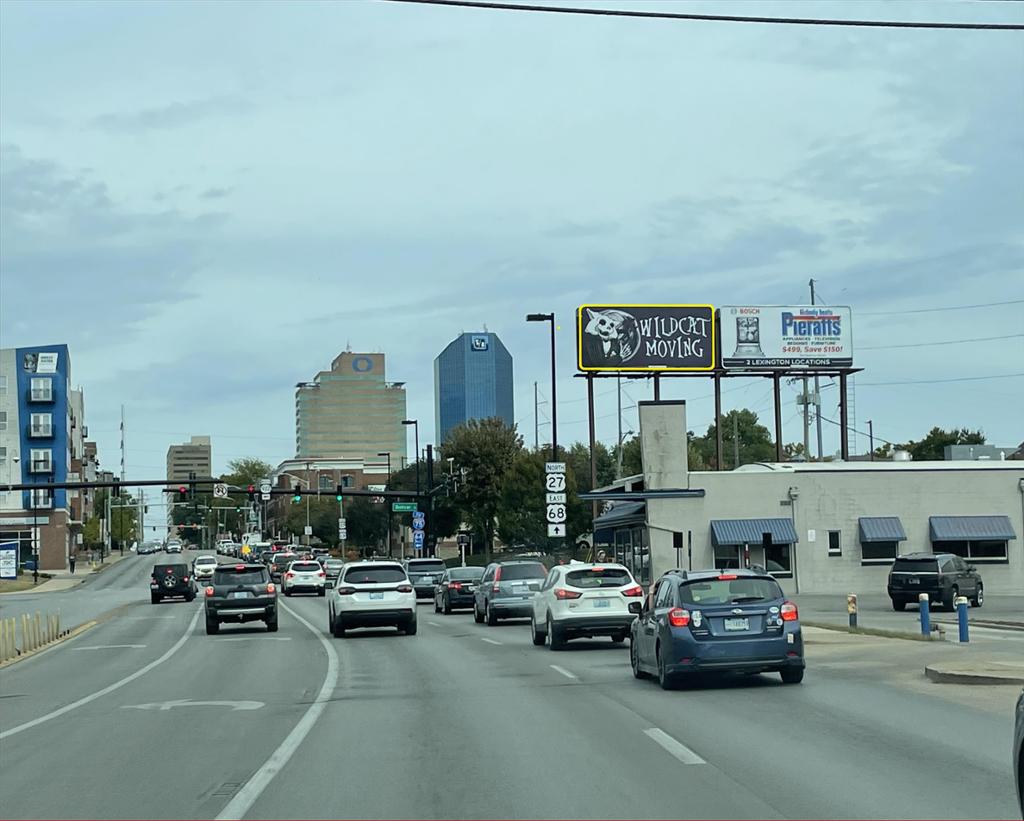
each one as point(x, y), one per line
point(338, 628)
point(321, 592)
point(287, 592)
point(476, 614)
point(539, 638)
point(979, 597)
point(272, 625)
point(492, 618)
point(190, 597)
point(437, 607)
point(447, 609)
point(899, 605)
point(665, 679)
point(154, 598)
point(410, 628)
point(634, 661)
point(792, 675)
point(330, 621)
point(618, 638)
point(555, 636)
point(950, 599)
point(212, 627)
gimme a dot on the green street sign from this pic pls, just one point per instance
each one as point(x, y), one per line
point(403, 507)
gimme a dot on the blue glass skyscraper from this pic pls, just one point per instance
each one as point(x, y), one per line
point(472, 380)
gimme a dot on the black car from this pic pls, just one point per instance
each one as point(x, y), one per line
point(241, 593)
point(456, 588)
point(943, 576)
point(171, 580)
point(279, 564)
point(424, 573)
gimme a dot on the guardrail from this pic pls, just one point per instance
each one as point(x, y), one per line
point(27, 634)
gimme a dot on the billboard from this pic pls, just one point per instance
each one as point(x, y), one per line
point(645, 337)
point(760, 337)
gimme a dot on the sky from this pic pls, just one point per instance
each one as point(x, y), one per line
point(208, 201)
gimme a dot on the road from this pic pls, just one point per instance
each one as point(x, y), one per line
point(466, 721)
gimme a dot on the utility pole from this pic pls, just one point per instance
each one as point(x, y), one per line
point(817, 393)
point(536, 419)
point(871, 439)
point(736, 438)
point(120, 509)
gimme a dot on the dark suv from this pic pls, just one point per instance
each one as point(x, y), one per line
point(241, 593)
point(506, 590)
point(943, 576)
point(424, 574)
point(171, 580)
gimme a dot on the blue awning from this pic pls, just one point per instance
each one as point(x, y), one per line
point(881, 529)
point(622, 514)
point(751, 531)
point(970, 528)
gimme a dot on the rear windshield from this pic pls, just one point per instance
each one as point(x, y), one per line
point(461, 573)
point(333, 563)
point(250, 575)
point(374, 575)
point(180, 569)
point(427, 567)
point(915, 566)
point(205, 560)
point(522, 571)
point(281, 558)
point(729, 591)
point(598, 577)
point(306, 567)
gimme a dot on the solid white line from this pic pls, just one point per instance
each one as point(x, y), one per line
point(257, 638)
point(490, 641)
point(109, 647)
point(433, 624)
point(238, 806)
point(564, 672)
point(108, 689)
point(680, 751)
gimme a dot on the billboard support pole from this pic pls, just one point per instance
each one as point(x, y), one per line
point(657, 387)
point(593, 444)
point(718, 420)
point(844, 439)
point(778, 417)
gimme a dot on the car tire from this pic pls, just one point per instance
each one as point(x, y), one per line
point(437, 607)
point(410, 628)
point(476, 614)
point(338, 628)
point(899, 605)
point(979, 597)
point(665, 679)
point(949, 599)
point(154, 598)
point(330, 621)
point(272, 625)
point(447, 608)
point(492, 617)
point(212, 627)
point(792, 675)
point(556, 638)
point(618, 638)
point(190, 597)
point(539, 638)
point(287, 592)
point(634, 661)
point(321, 592)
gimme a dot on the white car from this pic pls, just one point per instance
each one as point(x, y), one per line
point(581, 600)
point(203, 567)
point(304, 576)
point(374, 593)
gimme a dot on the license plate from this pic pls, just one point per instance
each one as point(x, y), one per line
point(737, 624)
point(374, 596)
point(241, 594)
point(602, 602)
point(520, 588)
point(913, 581)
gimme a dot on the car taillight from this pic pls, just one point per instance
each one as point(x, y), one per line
point(634, 591)
point(185, 579)
point(209, 591)
point(495, 588)
point(727, 576)
point(346, 591)
point(321, 574)
point(562, 593)
point(497, 575)
point(455, 585)
point(289, 575)
point(789, 612)
point(271, 588)
point(678, 617)
point(404, 588)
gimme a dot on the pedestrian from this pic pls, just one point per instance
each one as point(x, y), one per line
point(71, 563)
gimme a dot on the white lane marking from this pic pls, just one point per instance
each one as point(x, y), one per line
point(109, 647)
point(67, 708)
point(164, 706)
point(257, 638)
point(564, 672)
point(238, 806)
point(490, 641)
point(433, 624)
point(145, 618)
point(680, 751)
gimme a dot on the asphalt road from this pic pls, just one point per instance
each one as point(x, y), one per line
point(463, 721)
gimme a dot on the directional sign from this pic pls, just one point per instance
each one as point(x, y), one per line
point(556, 531)
point(419, 524)
point(220, 491)
point(554, 467)
point(556, 498)
point(555, 482)
point(556, 514)
point(403, 507)
point(417, 539)
point(308, 530)
point(164, 706)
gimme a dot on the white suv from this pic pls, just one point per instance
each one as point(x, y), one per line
point(304, 576)
point(585, 600)
point(203, 567)
point(372, 594)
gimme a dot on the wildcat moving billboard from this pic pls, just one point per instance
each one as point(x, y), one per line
point(764, 337)
point(645, 337)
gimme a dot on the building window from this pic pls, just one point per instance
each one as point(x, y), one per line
point(778, 558)
point(3, 384)
point(41, 425)
point(3, 454)
point(3, 420)
point(41, 461)
point(41, 498)
point(326, 482)
point(727, 557)
point(982, 550)
point(41, 389)
point(879, 552)
point(835, 546)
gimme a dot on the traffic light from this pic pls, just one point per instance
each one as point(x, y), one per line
point(337, 492)
point(296, 493)
point(182, 493)
point(252, 493)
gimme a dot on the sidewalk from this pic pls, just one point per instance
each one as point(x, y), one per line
point(65, 579)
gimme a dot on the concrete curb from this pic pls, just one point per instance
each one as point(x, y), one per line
point(70, 634)
point(944, 675)
point(872, 632)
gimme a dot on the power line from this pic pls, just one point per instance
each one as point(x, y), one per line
point(718, 18)
point(947, 308)
point(944, 342)
point(937, 381)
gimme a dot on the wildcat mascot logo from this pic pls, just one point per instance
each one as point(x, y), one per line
point(611, 337)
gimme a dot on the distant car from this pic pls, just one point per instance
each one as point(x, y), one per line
point(585, 600)
point(240, 593)
point(456, 588)
point(1018, 753)
point(332, 569)
point(264, 556)
point(943, 576)
point(203, 567)
point(173, 546)
point(147, 548)
point(372, 594)
point(716, 621)
point(304, 577)
point(279, 563)
point(171, 580)
point(506, 591)
point(424, 573)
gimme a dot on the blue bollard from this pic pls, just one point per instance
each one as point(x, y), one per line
point(961, 617)
point(926, 622)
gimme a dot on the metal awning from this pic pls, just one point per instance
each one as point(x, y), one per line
point(881, 529)
point(751, 531)
point(622, 514)
point(967, 528)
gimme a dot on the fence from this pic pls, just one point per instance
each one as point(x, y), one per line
point(19, 636)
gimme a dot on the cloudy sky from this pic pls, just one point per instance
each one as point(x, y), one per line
point(207, 201)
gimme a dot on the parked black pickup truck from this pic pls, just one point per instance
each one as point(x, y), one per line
point(241, 593)
point(171, 579)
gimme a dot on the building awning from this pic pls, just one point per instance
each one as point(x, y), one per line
point(881, 529)
point(622, 514)
point(970, 528)
point(751, 531)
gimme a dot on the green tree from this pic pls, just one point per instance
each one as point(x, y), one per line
point(522, 507)
point(578, 458)
point(632, 457)
point(323, 519)
point(931, 447)
point(447, 518)
point(483, 451)
point(366, 522)
point(247, 471)
point(92, 532)
point(755, 441)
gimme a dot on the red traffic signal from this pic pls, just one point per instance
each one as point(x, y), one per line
point(182, 491)
point(252, 492)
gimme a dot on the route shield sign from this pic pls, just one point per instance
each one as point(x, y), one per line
point(555, 496)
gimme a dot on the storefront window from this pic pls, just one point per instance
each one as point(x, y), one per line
point(777, 558)
point(879, 551)
point(727, 557)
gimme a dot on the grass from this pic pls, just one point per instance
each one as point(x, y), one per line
point(23, 582)
point(872, 631)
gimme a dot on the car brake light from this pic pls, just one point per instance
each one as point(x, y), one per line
point(346, 591)
point(185, 579)
point(455, 585)
point(497, 576)
point(405, 588)
point(209, 591)
point(321, 574)
point(562, 593)
point(678, 617)
point(789, 612)
point(270, 587)
point(727, 576)
point(634, 591)
point(289, 575)
point(239, 567)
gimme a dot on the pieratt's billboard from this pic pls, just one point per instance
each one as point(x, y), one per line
point(645, 337)
point(759, 337)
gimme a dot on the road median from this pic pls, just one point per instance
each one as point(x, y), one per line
point(979, 672)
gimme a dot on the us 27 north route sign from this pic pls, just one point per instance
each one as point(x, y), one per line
point(645, 337)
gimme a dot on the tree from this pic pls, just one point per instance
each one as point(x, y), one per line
point(485, 449)
point(522, 507)
point(578, 458)
point(122, 516)
point(247, 471)
point(755, 441)
point(92, 532)
point(632, 458)
point(323, 518)
point(931, 447)
point(366, 522)
point(446, 517)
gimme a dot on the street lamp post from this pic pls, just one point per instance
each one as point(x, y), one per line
point(416, 428)
point(387, 505)
point(554, 399)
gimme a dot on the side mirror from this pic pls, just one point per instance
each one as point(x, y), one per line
point(971, 568)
